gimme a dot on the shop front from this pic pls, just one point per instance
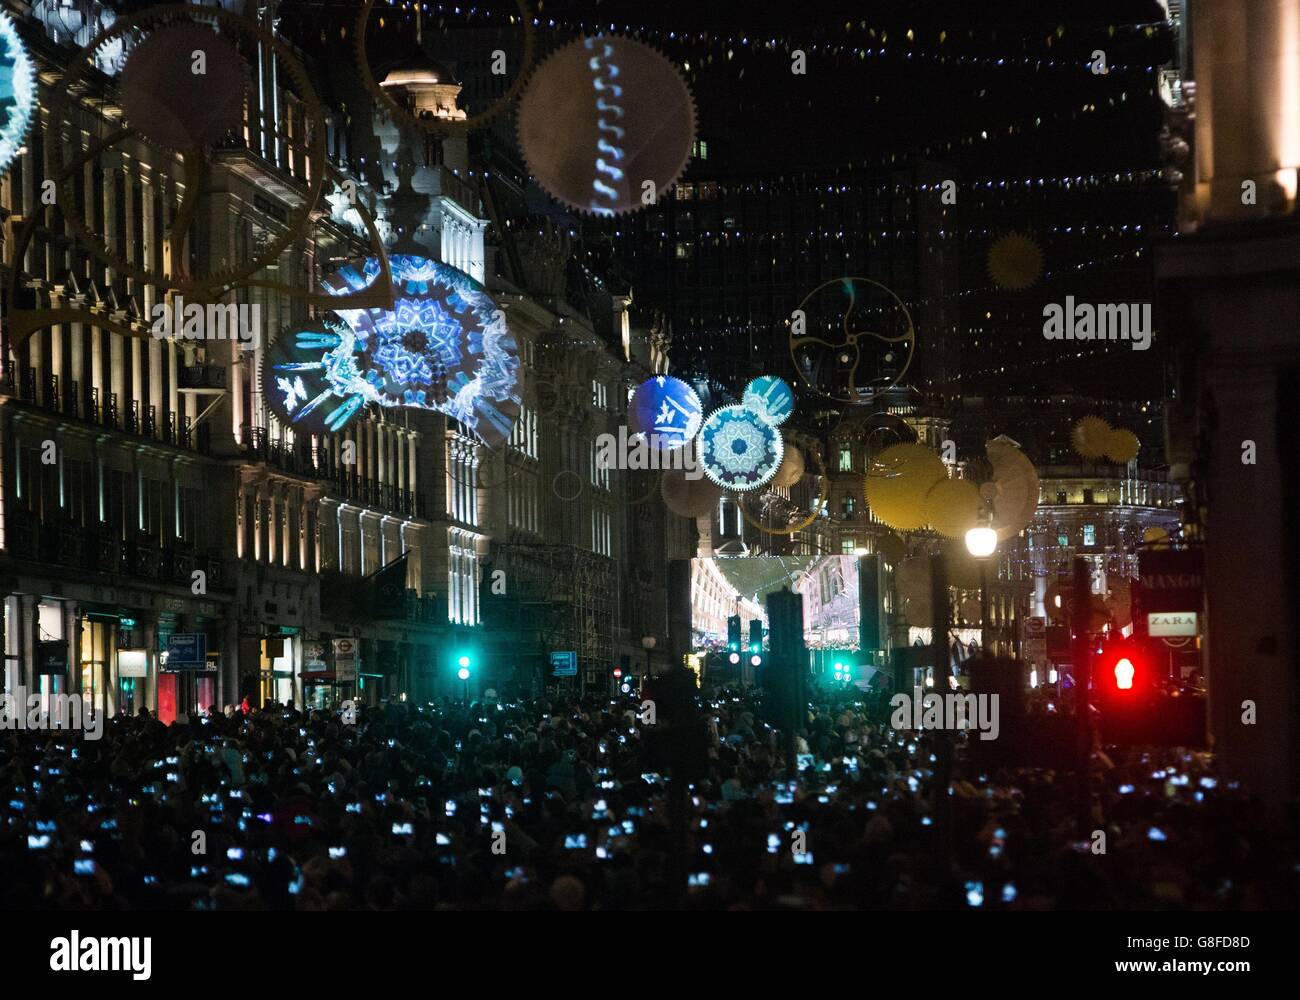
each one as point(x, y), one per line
point(328, 673)
point(188, 670)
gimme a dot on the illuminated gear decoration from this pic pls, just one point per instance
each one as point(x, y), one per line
point(1122, 446)
point(839, 368)
point(667, 411)
point(952, 507)
point(1090, 437)
point(446, 126)
point(897, 482)
point(601, 117)
point(1015, 262)
point(17, 92)
point(444, 346)
point(770, 397)
point(1014, 489)
point(739, 451)
point(196, 289)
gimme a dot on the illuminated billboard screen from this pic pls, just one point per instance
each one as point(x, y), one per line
point(722, 586)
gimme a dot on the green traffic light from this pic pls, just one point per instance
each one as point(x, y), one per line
point(463, 661)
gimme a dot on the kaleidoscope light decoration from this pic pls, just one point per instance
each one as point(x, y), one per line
point(770, 397)
point(444, 346)
point(17, 92)
point(666, 410)
point(739, 450)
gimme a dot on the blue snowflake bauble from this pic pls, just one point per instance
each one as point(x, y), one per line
point(770, 397)
point(739, 450)
point(667, 411)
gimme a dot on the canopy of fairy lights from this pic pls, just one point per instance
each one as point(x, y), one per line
point(444, 346)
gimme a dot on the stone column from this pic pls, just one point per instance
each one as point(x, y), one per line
point(1247, 63)
point(28, 622)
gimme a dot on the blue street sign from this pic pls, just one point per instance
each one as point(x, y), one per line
point(564, 664)
point(187, 650)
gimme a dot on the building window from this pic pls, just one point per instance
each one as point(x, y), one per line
point(848, 546)
point(846, 458)
point(599, 473)
point(1062, 540)
point(1087, 496)
point(523, 436)
point(599, 395)
point(1060, 496)
point(701, 151)
point(1089, 534)
point(847, 505)
point(601, 524)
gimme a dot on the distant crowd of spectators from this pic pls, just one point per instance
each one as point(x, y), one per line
point(563, 804)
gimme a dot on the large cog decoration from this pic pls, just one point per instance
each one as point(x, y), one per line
point(770, 397)
point(667, 411)
point(738, 449)
point(183, 87)
point(17, 92)
point(607, 125)
point(852, 340)
point(444, 346)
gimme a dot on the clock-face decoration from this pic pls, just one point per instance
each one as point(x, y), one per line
point(444, 346)
point(739, 450)
point(17, 92)
point(851, 340)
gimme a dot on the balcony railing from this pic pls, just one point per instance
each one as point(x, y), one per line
point(92, 404)
point(300, 459)
point(96, 548)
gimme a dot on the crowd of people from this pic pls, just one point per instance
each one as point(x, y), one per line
point(564, 803)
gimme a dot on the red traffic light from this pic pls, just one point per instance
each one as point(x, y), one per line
point(618, 672)
point(1122, 671)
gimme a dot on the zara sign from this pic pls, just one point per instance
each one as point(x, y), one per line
point(1171, 623)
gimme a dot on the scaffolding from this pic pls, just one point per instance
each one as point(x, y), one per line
point(564, 599)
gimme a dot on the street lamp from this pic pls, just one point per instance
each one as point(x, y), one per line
point(982, 542)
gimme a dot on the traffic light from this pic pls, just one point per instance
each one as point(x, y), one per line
point(1122, 675)
point(756, 635)
point(733, 634)
point(463, 663)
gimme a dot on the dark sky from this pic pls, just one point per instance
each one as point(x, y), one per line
point(755, 111)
